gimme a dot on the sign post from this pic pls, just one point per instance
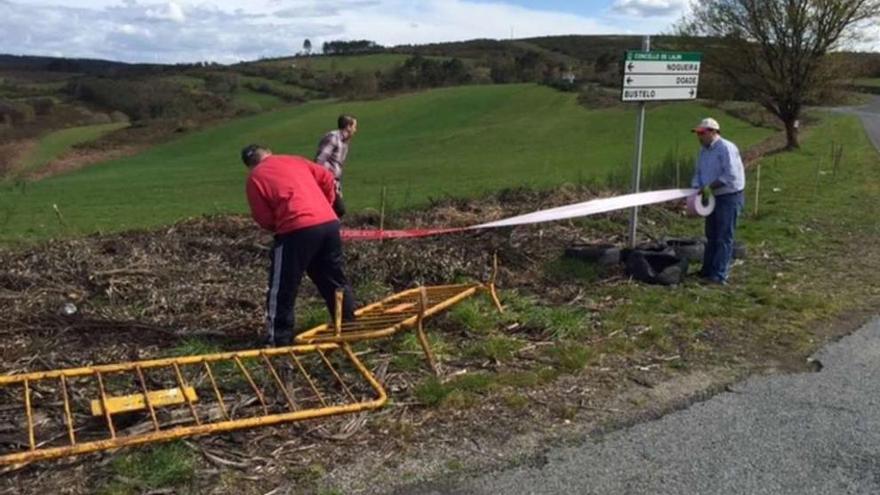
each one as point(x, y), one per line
point(637, 161)
point(655, 76)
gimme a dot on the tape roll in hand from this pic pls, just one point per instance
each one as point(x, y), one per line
point(696, 206)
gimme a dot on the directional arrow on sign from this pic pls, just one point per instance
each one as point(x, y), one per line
point(653, 67)
point(661, 80)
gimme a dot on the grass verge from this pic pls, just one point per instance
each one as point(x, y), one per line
point(162, 467)
point(813, 258)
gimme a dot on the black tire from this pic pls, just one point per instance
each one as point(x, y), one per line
point(650, 247)
point(656, 268)
point(689, 248)
point(603, 254)
point(659, 247)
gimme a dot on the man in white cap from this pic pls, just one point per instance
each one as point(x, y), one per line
point(720, 173)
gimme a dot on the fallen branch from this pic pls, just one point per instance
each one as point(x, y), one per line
point(216, 459)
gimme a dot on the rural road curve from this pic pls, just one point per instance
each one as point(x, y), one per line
point(870, 115)
point(810, 433)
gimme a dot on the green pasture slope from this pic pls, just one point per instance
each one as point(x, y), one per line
point(262, 101)
point(52, 145)
point(872, 83)
point(455, 141)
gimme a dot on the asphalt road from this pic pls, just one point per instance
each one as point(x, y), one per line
point(811, 433)
point(870, 115)
point(871, 118)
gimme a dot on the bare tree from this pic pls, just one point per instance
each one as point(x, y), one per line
point(775, 50)
point(307, 46)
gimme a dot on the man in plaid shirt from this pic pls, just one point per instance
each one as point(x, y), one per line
point(332, 152)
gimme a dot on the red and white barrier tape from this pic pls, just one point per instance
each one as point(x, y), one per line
point(576, 210)
point(375, 235)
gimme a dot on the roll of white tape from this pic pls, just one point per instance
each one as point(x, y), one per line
point(696, 206)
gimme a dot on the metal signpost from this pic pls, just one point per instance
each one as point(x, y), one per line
point(655, 76)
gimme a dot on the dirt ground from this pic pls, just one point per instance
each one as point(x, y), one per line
point(206, 277)
point(138, 294)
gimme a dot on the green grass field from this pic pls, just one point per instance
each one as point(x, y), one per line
point(52, 145)
point(277, 87)
point(262, 100)
point(455, 141)
point(874, 83)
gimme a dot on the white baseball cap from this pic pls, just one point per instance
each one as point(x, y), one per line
point(707, 123)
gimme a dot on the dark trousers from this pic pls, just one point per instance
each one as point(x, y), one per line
point(720, 229)
point(339, 206)
point(316, 251)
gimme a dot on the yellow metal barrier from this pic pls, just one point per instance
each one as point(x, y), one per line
point(138, 402)
point(80, 410)
point(399, 312)
point(163, 399)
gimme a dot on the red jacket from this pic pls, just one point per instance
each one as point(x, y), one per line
point(288, 193)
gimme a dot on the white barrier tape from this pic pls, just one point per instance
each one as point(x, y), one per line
point(576, 210)
point(593, 207)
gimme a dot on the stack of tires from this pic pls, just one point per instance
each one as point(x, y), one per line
point(664, 263)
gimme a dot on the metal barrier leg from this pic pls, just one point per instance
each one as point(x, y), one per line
point(493, 293)
point(337, 314)
point(420, 330)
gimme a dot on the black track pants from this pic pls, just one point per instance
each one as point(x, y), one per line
point(316, 251)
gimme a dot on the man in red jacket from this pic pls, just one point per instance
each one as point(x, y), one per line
point(292, 197)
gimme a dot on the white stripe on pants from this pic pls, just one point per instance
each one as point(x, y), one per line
point(272, 307)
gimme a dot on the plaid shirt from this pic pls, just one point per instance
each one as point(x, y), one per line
point(332, 151)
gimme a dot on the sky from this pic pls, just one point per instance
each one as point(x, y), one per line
point(228, 31)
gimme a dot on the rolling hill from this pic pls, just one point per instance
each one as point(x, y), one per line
point(454, 141)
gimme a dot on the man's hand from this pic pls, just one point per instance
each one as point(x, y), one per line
point(339, 207)
point(706, 195)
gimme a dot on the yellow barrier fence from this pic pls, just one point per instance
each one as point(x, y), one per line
point(399, 312)
point(52, 414)
point(75, 411)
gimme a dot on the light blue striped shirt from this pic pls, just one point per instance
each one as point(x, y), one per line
point(720, 161)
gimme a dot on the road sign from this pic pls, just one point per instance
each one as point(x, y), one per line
point(660, 76)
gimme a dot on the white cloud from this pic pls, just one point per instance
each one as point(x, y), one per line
point(169, 12)
point(231, 30)
point(649, 8)
point(326, 8)
point(130, 30)
point(400, 22)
